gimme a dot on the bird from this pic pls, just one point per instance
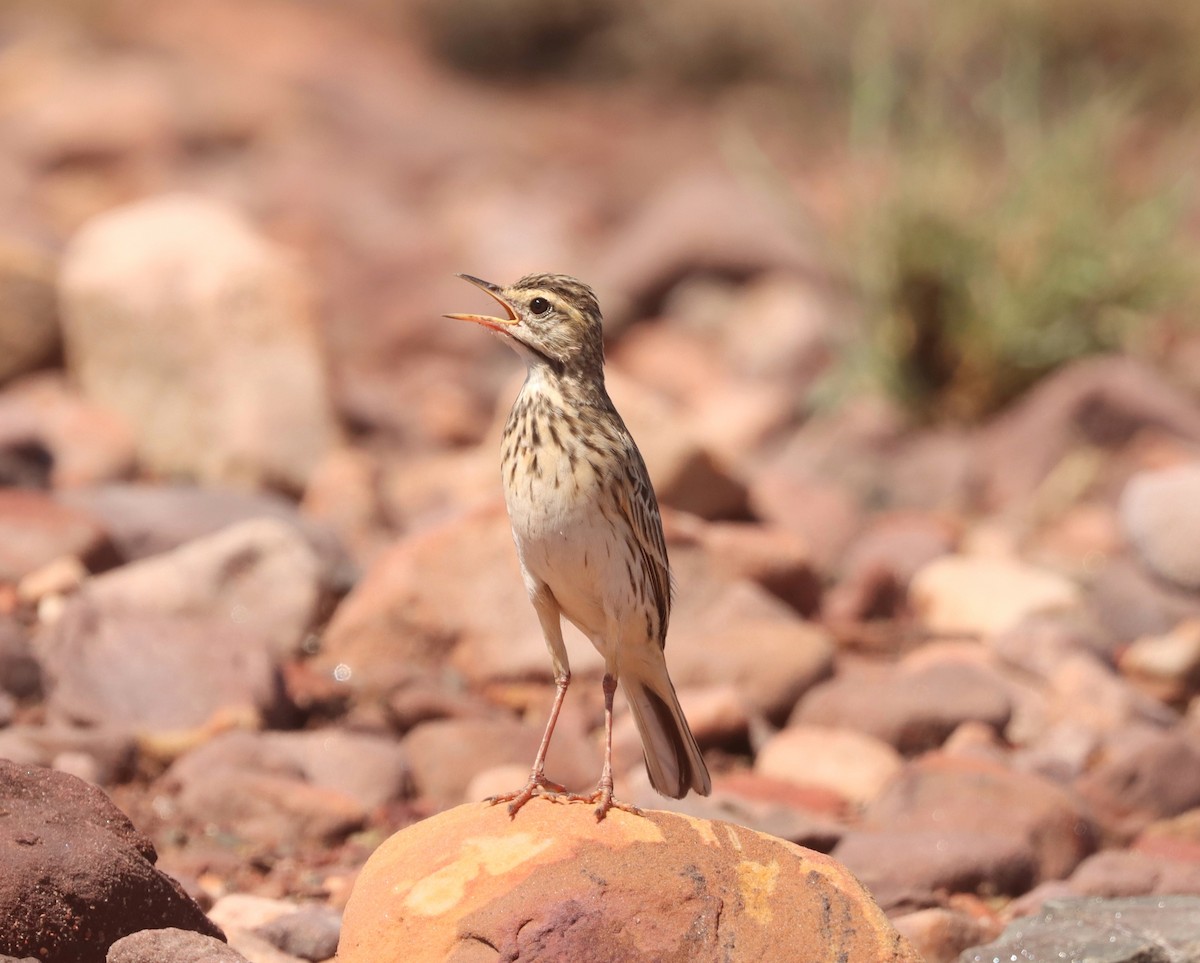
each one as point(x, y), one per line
point(588, 532)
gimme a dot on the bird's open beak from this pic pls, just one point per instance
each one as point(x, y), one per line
point(496, 324)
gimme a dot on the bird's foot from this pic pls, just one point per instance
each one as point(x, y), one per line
point(603, 798)
point(538, 785)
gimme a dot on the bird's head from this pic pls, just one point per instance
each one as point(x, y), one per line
point(550, 319)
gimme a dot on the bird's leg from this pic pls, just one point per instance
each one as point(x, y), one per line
point(548, 613)
point(538, 783)
point(603, 795)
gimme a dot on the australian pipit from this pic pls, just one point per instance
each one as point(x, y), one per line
point(587, 528)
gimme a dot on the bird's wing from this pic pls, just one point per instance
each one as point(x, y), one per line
point(639, 507)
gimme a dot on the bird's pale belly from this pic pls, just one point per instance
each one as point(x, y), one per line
point(566, 542)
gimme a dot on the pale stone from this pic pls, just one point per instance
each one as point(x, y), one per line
point(178, 315)
point(852, 764)
point(985, 595)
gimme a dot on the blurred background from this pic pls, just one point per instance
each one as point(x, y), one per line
point(935, 205)
point(900, 302)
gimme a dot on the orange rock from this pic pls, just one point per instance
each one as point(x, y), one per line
point(473, 884)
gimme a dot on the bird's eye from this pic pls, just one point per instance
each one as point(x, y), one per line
point(539, 306)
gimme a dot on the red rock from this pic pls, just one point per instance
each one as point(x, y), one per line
point(805, 815)
point(940, 934)
point(45, 588)
point(153, 672)
point(703, 221)
point(1177, 837)
point(1060, 751)
point(913, 707)
point(309, 932)
point(150, 519)
point(450, 594)
point(717, 715)
point(1040, 644)
point(687, 474)
point(445, 755)
point(1089, 693)
point(756, 786)
point(425, 490)
point(737, 420)
point(930, 470)
point(943, 794)
point(260, 791)
point(75, 442)
point(453, 594)
point(731, 417)
point(884, 559)
point(825, 515)
point(554, 884)
point(231, 606)
point(785, 326)
point(1130, 602)
point(110, 754)
point(77, 874)
point(771, 661)
point(777, 560)
point(243, 916)
point(61, 122)
point(849, 763)
point(343, 496)
point(1080, 539)
point(1101, 401)
point(1149, 776)
point(1033, 902)
point(911, 868)
point(260, 575)
point(1122, 872)
point(35, 530)
point(874, 592)
point(670, 358)
point(903, 541)
point(424, 698)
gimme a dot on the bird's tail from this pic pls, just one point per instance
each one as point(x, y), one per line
point(673, 759)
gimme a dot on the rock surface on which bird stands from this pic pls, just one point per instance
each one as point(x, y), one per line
point(474, 883)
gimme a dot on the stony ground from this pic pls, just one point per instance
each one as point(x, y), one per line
point(255, 576)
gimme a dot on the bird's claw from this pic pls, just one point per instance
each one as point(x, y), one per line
point(538, 785)
point(603, 797)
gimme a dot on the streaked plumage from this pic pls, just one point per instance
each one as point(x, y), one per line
point(587, 528)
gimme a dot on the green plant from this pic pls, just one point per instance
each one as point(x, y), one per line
point(1007, 226)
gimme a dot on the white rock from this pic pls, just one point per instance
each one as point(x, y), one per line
point(1158, 514)
point(178, 315)
point(850, 763)
point(987, 595)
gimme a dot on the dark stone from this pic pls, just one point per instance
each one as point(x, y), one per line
point(77, 874)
